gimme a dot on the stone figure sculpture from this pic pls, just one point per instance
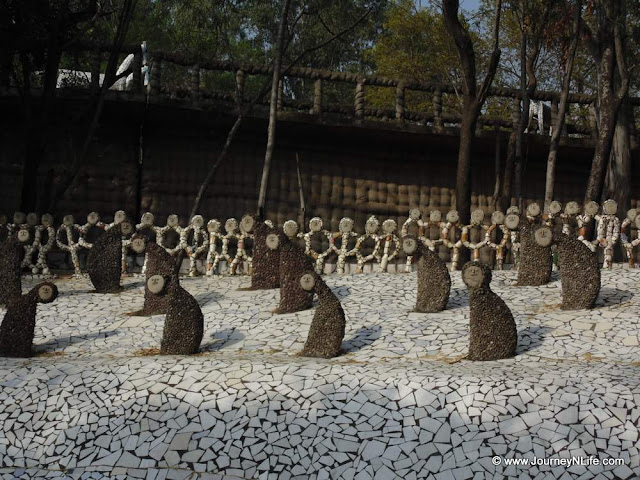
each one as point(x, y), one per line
point(434, 282)
point(492, 330)
point(10, 270)
point(535, 261)
point(293, 260)
point(266, 257)
point(19, 323)
point(104, 262)
point(328, 325)
point(579, 269)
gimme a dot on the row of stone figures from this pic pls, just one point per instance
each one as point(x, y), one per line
point(280, 263)
point(595, 227)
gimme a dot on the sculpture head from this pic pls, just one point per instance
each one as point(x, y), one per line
point(308, 281)
point(411, 245)
point(231, 225)
point(68, 221)
point(172, 220)
point(452, 216)
point(591, 208)
point(476, 275)
point(415, 214)
point(247, 222)
point(147, 219)
point(610, 207)
point(346, 225)
point(497, 218)
point(555, 208)
point(126, 227)
point(46, 220)
point(19, 218)
point(372, 225)
point(197, 221)
point(315, 224)
point(156, 284)
point(290, 228)
point(477, 217)
point(119, 216)
point(47, 292)
point(138, 243)
point(511, 221)
point(543, 236)
point(572, 208)
point(513, 209)
point(213, 226)
point(93, 218)
point(3, 219)
point(435, 216)
point(32, 219)
point(389, 226)
point(533, 209)
point(272, 241)
point(23, 235)
point(632, 214)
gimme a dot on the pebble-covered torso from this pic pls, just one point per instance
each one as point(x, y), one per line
point(184, 325)
point(10, 272)
point(536, 262)
point(434, 281)
point(159, 262)
point(104, 262)
point(265, 262)
point(328, 325)
point(293, 261)
point(579, 273)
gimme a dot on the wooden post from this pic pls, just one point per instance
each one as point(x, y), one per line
point(317, 97)
point(554, 115)
point(400, 102)
point(437, 109)
point(136, 66)
point(239, 88)
point(195, 84)
point(359, 102)
point(593, 120)
point(156, 76)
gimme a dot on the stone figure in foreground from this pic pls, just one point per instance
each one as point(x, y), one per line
point(536, 262)
point(266, 260)
point(579, 269)
point(10, 270)
point(184, 324)
point(104, 262)
point(19, 323)
point(492, 330)
point(434, 282)
point(293, 261)
point(327, 327)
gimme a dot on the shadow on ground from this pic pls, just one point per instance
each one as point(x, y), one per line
point(363, 337)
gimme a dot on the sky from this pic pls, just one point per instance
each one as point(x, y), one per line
point(468, 5)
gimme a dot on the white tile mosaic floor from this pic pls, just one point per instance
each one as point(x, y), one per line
point(399, 404)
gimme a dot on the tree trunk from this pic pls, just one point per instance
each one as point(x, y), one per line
point(463, 175)
point(507, 182)
point(619, 174)
point(273, 109)
point(602, 151)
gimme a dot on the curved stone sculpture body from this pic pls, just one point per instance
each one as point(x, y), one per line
point(159, 262)
point(579, 273)
point(104, 262)
point(184, 323)
point(266, 261)
point(293, 261)
point(434, 281)
point(536, 261)
point(328, 325)
point(492, 330)
point(10, 270)
point(19, 323)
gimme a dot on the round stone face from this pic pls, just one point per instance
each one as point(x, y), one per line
point(68, 220)
point(372, 225)
point(610, 207)
point(473, 276)
point(32, 219)
point(307, 282)
point(315, 224)
point(23, 235)
point(272, 241)
point(231, 225)
point(93, 218)
point(155, 284)
point(533, 210)
point(137, 245)
point(19, 218)
point(452, 216)
point(119, 216)
point(213, 226)
point(497, 217)
point(477, 216)
point(197, 221)
point(290, 228)
point(45, 292)
point(389, 226)
point(632, 214)
point(555, 207)
point(512, 221)
point(435, 216)
point(543, 236)
point(513, 209)
point(638, 222)
point(147, 219)
point(346, 225)
point(409, 245)
point(172, 220)
point(415, 214)
point(591, 208)
point(572, 208)
point(126, 228)
point(47, 220)
point(247, 223)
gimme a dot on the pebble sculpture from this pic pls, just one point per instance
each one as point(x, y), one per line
point(147, 228)
point(184, 323)
point(389, 227)
point(104, 263)
point(316, 228)
point(497, 224)
point(246, 226)
point(589, 215)
point(198, 244)
point(477, 217)
point(415, 219)
point(608, 231)
point(10, 271)
point(345, 234)
point(625, 234)
point(19, 322)
point(492, 330)
point(328, 325)
point(293, 260)
point(71, 237)
point(265, 273)
point(215, 254)
point(371, 233)
point(434, 282)
point(171, 226)
point(451, 225)
point(579, 269)
point(536, 262)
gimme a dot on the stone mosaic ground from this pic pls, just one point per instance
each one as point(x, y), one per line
point(401, 403)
